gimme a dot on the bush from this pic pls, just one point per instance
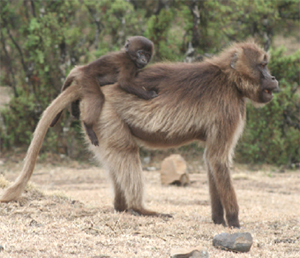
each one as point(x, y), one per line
point(41, 41)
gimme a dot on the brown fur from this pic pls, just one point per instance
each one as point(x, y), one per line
point(121, 67)
point(201, 101)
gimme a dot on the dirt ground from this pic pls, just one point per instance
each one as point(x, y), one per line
point(68, 212)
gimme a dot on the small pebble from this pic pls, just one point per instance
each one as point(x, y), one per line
point(193, 254)
point(150, 168)
point(146, 160)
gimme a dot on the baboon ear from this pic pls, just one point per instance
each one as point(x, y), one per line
point(127, 45)
point(233, 60)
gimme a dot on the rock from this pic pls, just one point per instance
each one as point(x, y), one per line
point(146, 160)
point(173, 171)
point(197, 253)
point(237, 242)
point(34, 223)
point(151, 169)
point(1, 248)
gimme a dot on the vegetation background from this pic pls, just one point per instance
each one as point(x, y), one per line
point(42, 40)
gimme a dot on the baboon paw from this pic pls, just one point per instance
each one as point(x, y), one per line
point(96, 143)
point(233, 223)
point(150, 95)
point(133, 212)
point(219, 221)
point(153, 94)
point(120, 207)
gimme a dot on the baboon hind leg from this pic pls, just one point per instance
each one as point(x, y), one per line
point(120, 203)
point(126, 174)
point(120, 155)
point(129, 192)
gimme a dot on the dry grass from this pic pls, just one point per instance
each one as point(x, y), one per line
point(72, 216)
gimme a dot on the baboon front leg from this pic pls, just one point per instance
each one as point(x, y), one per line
point(222, 192)
point(216, 205)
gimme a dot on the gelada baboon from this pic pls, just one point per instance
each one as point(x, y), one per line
point(203, 101)
point(122, 67)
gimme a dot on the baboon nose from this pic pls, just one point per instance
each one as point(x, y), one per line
point(273, 78)
point(276, 90)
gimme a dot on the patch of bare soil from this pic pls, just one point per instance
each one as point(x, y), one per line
point(71, 215)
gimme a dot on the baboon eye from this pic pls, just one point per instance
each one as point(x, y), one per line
point(263, 65)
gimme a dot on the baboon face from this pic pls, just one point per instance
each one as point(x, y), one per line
point(268, 83)
point(253, 65)
point(140, 50)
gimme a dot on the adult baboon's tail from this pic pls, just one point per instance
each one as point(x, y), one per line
point(67, 96)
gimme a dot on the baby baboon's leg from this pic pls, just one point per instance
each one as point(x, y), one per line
point(92, 100)
point(75, 111)
point(56, 118)
point(221, 189)
point(91, 134)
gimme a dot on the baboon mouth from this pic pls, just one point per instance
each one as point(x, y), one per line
point(268, 91)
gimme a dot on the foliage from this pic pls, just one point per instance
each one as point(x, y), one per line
point(41, 41)
point(158, 30)
point(37, 58)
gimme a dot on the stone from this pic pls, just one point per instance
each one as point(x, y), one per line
point(174, 171)
point(196, 253)
point(34, 223)
point(1, 248)
point(236, 242)
point(146, 160)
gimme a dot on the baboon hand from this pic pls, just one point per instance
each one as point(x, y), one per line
point(151, 94)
